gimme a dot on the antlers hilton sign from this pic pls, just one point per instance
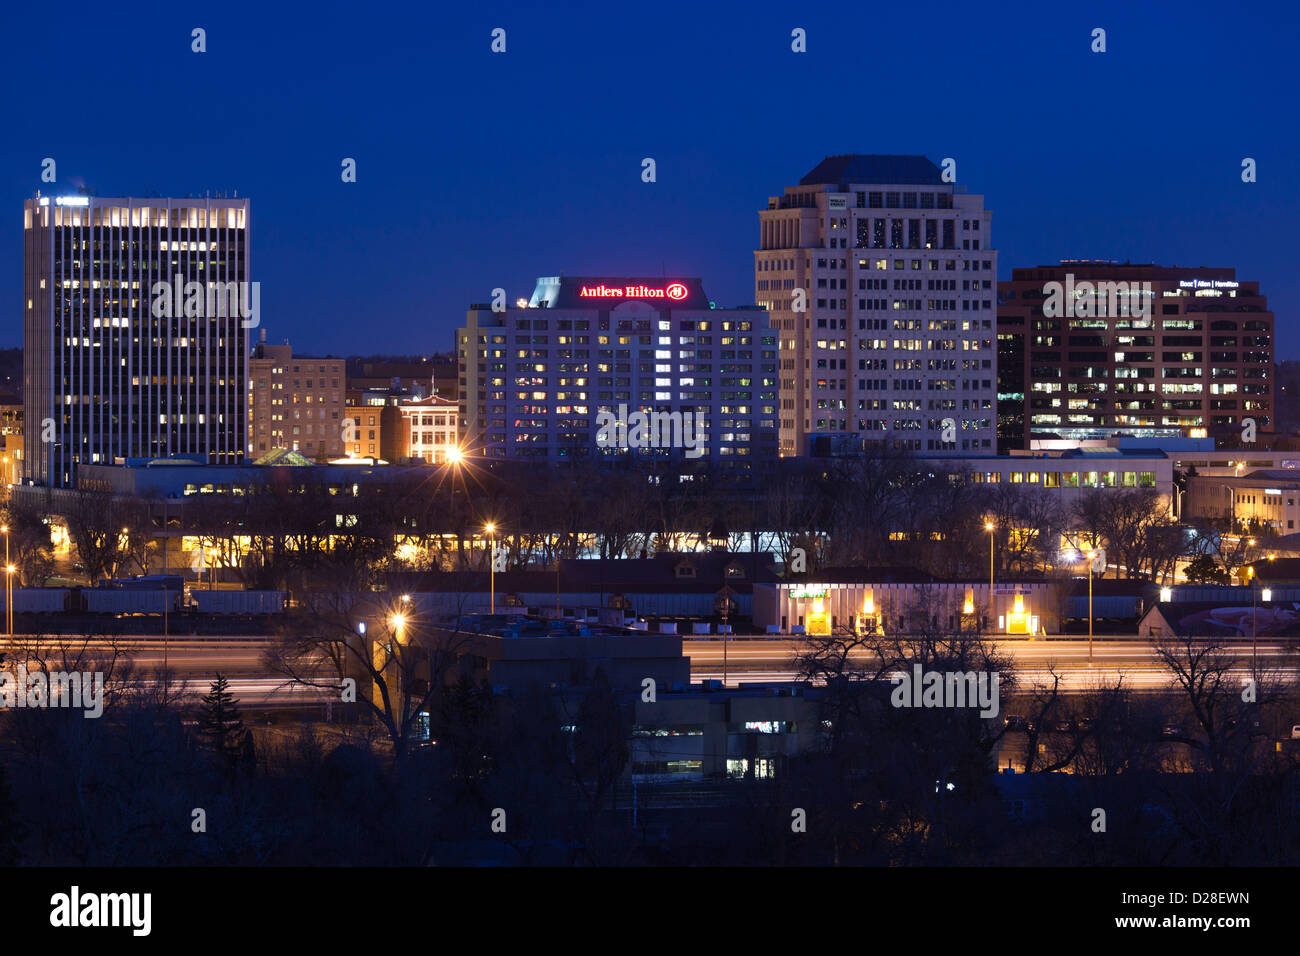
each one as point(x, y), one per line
point(675, 291)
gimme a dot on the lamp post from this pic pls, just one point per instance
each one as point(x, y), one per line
point(455, 459)
point(9, 593)
point(492, 567)
point(1254, 627)
point(988, 526)
point(1092, 559)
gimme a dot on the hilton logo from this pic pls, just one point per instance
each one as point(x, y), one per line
point(674, 291)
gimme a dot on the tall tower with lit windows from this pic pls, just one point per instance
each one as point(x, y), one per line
point(135, 330)
point(880, 276)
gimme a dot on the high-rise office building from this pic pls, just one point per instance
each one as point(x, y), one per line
point(880, 280)
point(135, 330)
point(575, 372)
point(1092, 349)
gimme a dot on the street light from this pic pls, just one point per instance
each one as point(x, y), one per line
point(1266, 596)
point(9, 586)
point(492, 566)
point(988, 526)
point(1092, 559)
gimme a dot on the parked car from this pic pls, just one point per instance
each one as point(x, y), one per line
point(1295, 732)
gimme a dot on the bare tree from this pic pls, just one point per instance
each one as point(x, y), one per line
point(397, 667)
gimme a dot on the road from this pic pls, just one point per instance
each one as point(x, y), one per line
point(196, 663)
point(772, 660)
point(758, 659)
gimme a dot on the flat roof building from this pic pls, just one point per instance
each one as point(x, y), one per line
point(135, 330)
point(1090, 349)
point(616, 367)
point(295, 402)
point(879, 276)
point(1265, 499)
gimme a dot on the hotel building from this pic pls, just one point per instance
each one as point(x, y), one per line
point(1091, 350)
point(880, 280)
point(135, 330)
point(540, 380)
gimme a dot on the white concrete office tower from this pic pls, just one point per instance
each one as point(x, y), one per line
point(135, 330)
point(577, 370)
point(881, 280)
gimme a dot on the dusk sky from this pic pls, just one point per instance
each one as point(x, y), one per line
point(477, 170)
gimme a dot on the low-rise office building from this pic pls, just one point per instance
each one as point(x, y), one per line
point(430, 430)
point(1267, 498)
point(862, 600)
point(711, 733)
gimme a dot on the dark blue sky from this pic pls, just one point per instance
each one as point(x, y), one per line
point(478, 170)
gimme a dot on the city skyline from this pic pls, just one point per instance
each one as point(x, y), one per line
point(433, 224)
point(654, 437)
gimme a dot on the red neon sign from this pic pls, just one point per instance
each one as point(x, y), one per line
point(674, 290)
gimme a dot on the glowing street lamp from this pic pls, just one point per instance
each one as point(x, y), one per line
point(1266, 596)
point(9, 585)
point(1092, 559)
point(988, 526)
point(491, 528)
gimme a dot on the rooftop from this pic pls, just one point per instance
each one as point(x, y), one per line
point(874, 168)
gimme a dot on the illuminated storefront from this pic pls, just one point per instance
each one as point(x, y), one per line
point(913, 606)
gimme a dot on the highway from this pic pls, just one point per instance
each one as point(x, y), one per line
point(195, 662)
point(749, 660)
point(1135, 660)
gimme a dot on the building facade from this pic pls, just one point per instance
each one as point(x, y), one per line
point(378, 428)
point(577, 371)
point(135, 330)
point(1093, 349)
point(431, 431)
point(363, 431)
point(880, 280)
point(11, 437)
point(295, 402)
point(862, 603)
point(1268, 498)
